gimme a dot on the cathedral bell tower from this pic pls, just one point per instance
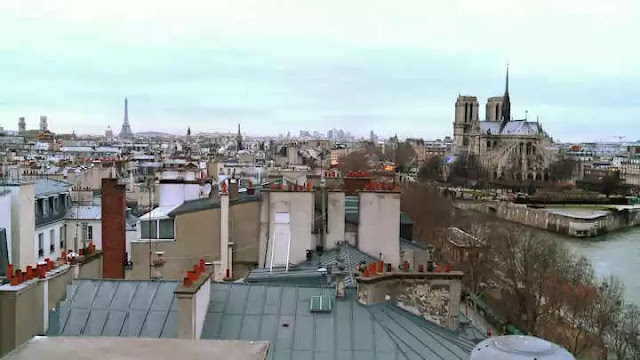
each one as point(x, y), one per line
point(466, 121)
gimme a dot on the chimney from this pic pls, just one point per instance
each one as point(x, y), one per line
point(113, 228)
point(225, 267)
point(193, 296)
point(233, 189)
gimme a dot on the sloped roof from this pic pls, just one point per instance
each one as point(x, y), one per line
point(117, 308)
point(48, 187)
point(85, 212)
point(281, 315)
point(318, 270)
point(514, 127)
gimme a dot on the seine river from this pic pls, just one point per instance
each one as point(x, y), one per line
point(616, 253)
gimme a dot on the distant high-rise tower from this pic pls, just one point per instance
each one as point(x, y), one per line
point(126, 132)
point(43, 124)
point(239, 138)
point(22, 125)
point(188, 131)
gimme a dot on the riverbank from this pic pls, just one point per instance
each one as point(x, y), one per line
point(580, 221)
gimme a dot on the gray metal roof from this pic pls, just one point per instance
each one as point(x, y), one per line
point(117, 308)
point(210, 203)
point(84, 212)
point(308, 272)
point(48, 187)
point(282, 316)
point(514, 127)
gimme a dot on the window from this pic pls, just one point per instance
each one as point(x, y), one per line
point(52, 241)
point(149, 229)
point(40, 244)
point(87, 232)
point(63, 237)
point(45, 207)
point(56, 206)
point(166, 229)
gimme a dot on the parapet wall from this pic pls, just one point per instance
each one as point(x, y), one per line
point(434, 296)
point(578, 226)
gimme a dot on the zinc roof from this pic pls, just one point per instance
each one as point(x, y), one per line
point(117, 308)
point(282, 316)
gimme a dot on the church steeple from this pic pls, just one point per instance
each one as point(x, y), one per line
point(239, 138)
point(506, 105)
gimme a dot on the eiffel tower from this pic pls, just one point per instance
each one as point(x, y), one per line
point(126, 132)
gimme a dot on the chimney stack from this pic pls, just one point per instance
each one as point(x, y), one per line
point(233, 188)
point(113, 228)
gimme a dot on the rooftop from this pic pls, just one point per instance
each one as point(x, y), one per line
point(47, 187)
point(279, 314)
point(316, 271)
point(85, 212)
point(211, 203)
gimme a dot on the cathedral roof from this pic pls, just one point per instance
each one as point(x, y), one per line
point(514, 127)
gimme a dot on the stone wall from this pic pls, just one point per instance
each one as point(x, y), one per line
point(434, 296)
point(611, 219)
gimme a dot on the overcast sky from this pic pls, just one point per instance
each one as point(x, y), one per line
point(273, 66)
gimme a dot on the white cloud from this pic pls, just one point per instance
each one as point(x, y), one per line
point(403, 57)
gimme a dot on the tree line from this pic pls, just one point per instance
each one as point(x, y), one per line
point(530, 280)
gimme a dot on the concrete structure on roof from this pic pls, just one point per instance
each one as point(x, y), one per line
point(508, 149)
point(378, 227)
point(56, 348)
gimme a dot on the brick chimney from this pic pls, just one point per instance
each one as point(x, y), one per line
point(113, 228)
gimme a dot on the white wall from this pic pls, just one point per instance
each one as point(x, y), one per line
point(299, 205)
point(335, 219)
point(379, 225)
point(5, 219)
point(74, 229)
point(47, 240)
point(175, 194)
point(23, 222)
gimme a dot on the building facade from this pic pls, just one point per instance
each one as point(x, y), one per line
point(508, 149)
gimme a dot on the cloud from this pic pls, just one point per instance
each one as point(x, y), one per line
point(391, 66)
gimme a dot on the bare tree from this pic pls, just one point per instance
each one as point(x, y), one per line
point(431, 212)
point(431, 170)
point(530, 266)
point(354, 161)
point(624, 337)
point(563, 169)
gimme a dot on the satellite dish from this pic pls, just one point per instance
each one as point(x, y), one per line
point(207, 188)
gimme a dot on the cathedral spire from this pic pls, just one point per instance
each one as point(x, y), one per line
point(239, 138)
point(506, 106)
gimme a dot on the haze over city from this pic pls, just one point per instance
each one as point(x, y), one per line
point(288, 65)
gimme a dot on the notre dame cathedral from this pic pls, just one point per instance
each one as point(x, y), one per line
point(508, 149)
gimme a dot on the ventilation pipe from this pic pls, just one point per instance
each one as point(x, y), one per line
point(225, 271)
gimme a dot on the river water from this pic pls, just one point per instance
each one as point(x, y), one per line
point(616, 253)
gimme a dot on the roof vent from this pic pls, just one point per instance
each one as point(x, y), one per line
point(320, 304)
